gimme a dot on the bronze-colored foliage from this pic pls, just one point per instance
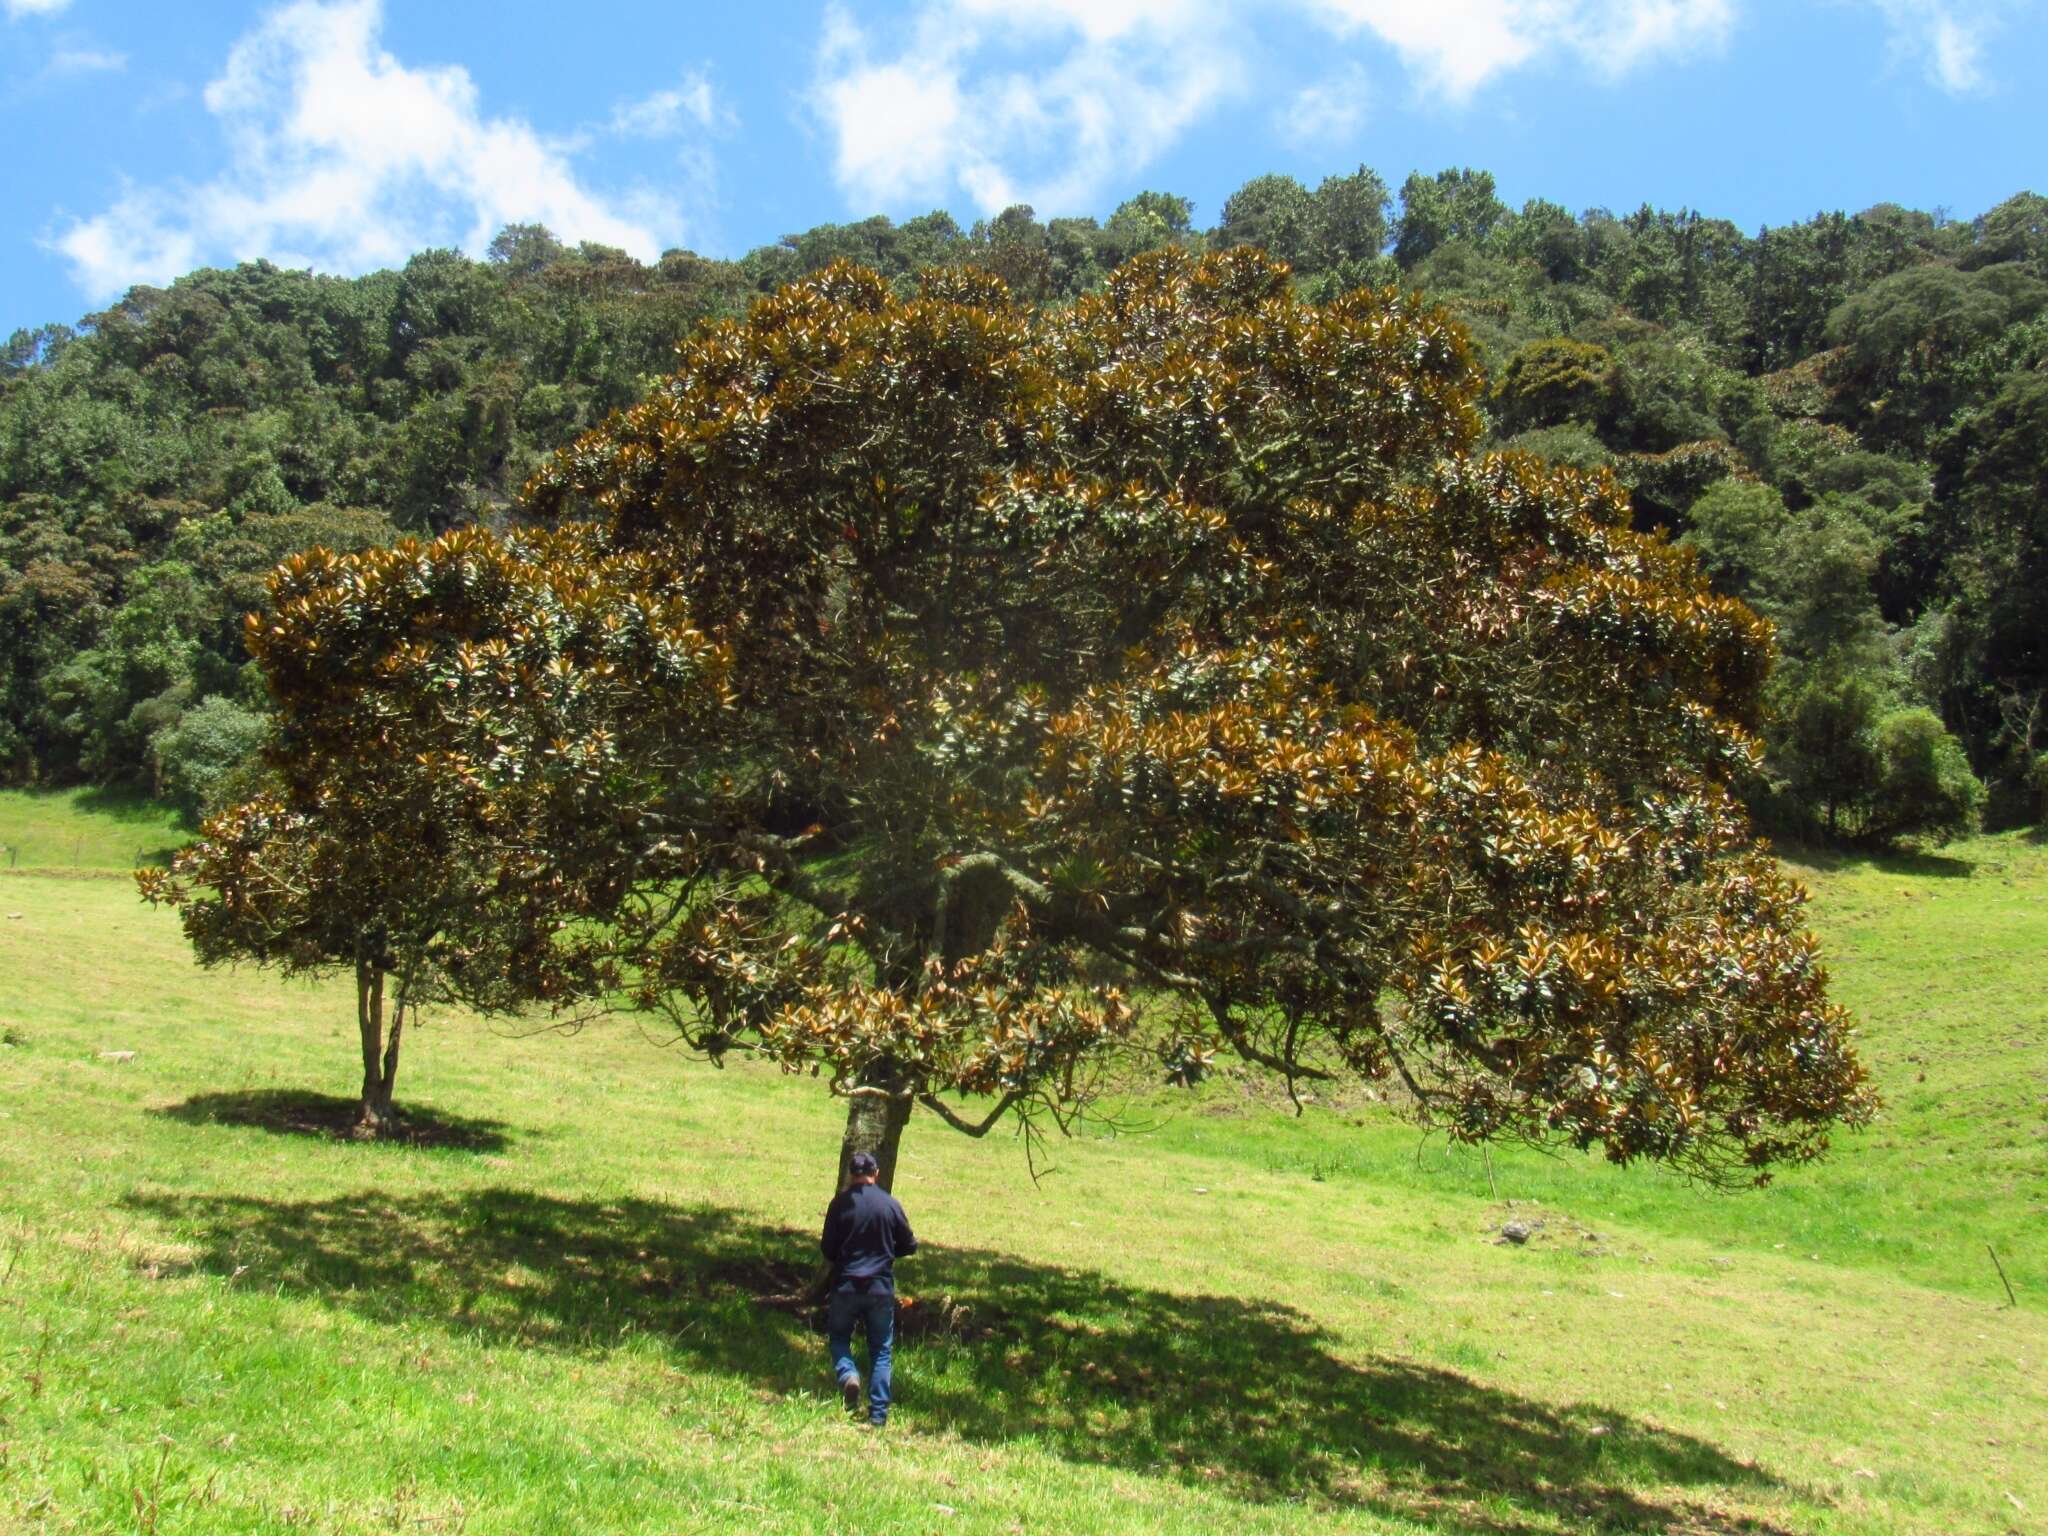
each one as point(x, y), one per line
point(958, 683)
point(467, 734)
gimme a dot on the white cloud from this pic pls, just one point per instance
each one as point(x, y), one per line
point(16, 9)
point(132, 242)
point(344, 158)
point(1110, 84)
point(1328, 112)
point(86, 61)
point(1049, 101)
point(1957, 54)
point(664, 114)
point(1456, 46)
point(1948, 37)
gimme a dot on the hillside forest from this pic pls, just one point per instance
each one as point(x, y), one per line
point(1846, 419)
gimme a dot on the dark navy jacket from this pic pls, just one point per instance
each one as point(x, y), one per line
point(865, 1233)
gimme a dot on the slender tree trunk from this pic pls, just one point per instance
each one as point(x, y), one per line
point(380, 1062)
point(875, 1117)
point(389, 1079)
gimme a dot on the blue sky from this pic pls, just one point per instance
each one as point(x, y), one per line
point(146, 139)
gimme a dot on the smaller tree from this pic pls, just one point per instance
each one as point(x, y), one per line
point(454, 724)
point(1925, 787)
point(199, 753)
point(303, 893)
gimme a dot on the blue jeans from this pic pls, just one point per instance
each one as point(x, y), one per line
point(876, 1312)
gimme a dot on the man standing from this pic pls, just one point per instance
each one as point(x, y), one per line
point(865, 1233)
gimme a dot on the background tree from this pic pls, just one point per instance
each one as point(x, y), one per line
point(1924, 786)
point(204, 750)
point(1855, 356)
point(1849, 754)
point(1348, 221)
point(1553, 382)
point(1452, 205)
point(2016, 230)
point(1995, 470)
point(1905, 340)
point(1144, 223)
point(1275, 213)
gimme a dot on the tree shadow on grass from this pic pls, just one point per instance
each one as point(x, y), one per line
point(145, 815)
point(1921, 863)
point(294, 1112)
point(1234, 1393)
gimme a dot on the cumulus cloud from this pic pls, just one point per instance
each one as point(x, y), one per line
point(1948, 37)
point(1040, 101)
point(1457, 46)
point(344, 158)
point(1047, 101)
point(16, 9)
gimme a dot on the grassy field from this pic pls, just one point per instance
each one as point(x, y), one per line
point(218, 1314)
point(77, 829)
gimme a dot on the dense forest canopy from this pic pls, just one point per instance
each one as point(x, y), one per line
point(1847, 419)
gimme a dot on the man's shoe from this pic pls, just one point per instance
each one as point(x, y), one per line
point(849, 1393)
point(877, 1421)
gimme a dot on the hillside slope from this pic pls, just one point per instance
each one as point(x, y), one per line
point(217, 1315)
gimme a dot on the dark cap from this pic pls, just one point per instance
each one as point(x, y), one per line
point(864, 1165)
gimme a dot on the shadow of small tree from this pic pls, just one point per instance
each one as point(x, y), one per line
point(295, 1112)
point(1240, 1394)
point(1924, 863)
point(1921, 863)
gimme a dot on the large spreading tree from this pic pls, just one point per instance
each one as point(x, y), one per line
point(1164, 673)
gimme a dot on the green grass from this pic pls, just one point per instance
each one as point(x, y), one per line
point(1944, 960)
point(80, 829)
point(218, 1314)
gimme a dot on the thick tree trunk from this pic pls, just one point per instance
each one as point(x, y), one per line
point(876, 1113)
point(380, 1057)
point(875, 1117)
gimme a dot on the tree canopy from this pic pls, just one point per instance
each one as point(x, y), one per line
point(1169, 672)
point(467, 734)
